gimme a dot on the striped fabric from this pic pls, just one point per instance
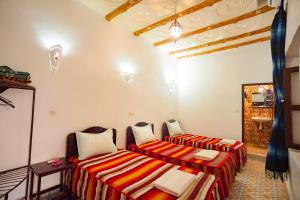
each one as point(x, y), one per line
point(239, 149)
point(125, 175)
point(222, 166)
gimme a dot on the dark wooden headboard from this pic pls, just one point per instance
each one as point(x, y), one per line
point(129, 135)
point(165, 131)
point(72, 149)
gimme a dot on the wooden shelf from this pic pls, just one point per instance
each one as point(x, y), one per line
point(4, 85)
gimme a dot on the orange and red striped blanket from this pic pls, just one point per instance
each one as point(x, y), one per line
point(222, 166)
point(128, 175)
point(239, 149)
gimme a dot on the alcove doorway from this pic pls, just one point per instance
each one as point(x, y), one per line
point(257, 117)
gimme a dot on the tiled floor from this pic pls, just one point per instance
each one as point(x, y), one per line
point(256, 150)
point(252, 184)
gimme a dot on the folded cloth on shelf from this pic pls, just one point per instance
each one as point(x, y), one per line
point(6, 71)
point(22, 75)
point(174, 182)
point(205, 154)
point(227, 141)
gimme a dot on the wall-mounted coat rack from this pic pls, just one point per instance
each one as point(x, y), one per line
point(6, 102)
point(12, 178)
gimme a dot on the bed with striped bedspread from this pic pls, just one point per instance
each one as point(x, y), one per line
point(128, 175)
point(222, 166)
point(239, 149)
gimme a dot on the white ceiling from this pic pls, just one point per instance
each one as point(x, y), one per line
point(148, 11)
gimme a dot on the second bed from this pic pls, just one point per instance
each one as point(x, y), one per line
point(223, 166)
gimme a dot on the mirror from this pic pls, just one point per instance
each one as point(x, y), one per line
point(258, 100)
point(262, 99)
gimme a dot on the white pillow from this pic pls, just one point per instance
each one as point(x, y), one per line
point(174, 128)
point(90, 144)
point(143, 134)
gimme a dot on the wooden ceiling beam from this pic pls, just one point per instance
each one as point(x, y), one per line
point(121, 9)
point(227, 47)
point(217, 25)
point(229, 39)
point(187, 11)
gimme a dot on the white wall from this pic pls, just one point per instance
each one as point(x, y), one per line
point(88, 88)
point(292, 42)
point(210, 87)
point(293, 21)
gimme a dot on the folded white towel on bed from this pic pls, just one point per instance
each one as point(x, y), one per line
point(174, 182)
point(206, 154)
point(227, 141)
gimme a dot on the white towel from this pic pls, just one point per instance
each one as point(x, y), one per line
point(174, 182)
point(206, 154)
point(226, 141)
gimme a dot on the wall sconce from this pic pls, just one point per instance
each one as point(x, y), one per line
point(127, 76)
point(127, 71)
point(172, 86)
point(170, 76)
point(55, 54)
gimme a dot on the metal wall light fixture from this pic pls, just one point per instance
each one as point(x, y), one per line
point(172, 86)
point(55, 55)
point(128, 71)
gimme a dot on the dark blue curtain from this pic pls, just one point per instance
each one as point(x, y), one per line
point(277, 157)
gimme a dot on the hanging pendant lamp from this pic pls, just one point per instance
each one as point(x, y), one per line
point(175, 28)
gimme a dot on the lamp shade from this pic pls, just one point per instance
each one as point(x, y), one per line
point(176, 29)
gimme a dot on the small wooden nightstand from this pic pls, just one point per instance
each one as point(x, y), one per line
point(44, 169)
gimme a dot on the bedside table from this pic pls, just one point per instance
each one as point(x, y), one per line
point(44, 169)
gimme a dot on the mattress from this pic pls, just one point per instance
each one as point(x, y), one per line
point(223, 166)
point(239, 149)
point(128, 175)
